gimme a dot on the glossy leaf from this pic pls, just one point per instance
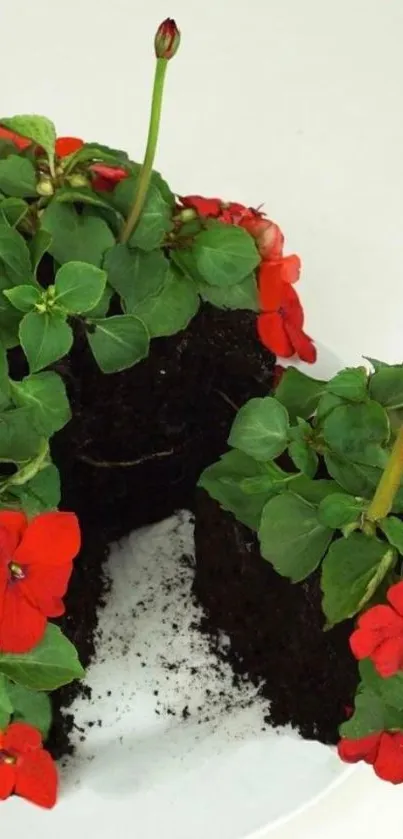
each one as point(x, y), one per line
point(44, 338)
point(260, 429)
point(38, 129)
point(31, 707)
point(45, 394)
point(340, 509)
point(79, 286)
point(350, 384)
point(226, 482)
point(243, 295)
point(51, 664)
point(135, 274)
point(118, 342)
point(76, 237)
point(17, 177)
point(299, 393)
point(171, 309)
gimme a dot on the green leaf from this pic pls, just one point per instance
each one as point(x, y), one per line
point(118, 342)
point(304, 457)
point(79, 286)
point(39, 494)
point(156, 217)
point(15, 261)
point(6, 708)
point(38, 129)
point(350, 384)
point(82, 195)
point(76, 237)
point(101, 309)
point(17, 177)
point(356, 431)
point(355, 478)
point(390, 690)
point(38, 246)
point(260, 429)
point(51, 664)
point(243, 295)
point(46, 394)
point(327, 403)
point(31, 707)
point(313, 491)
point(386, 387)
point(299, 393)
point(23, 297)
point(340, 509)
point(226, 482)
point(222, 255)
point(44, 338)
point(371, 716)
point(351, 572)
point(134, 274)
point(393, 530)
point(94, 152)
point(19, 439)
point(169, 311)
point(291, 537)
point(13, 210)
point(376, 364)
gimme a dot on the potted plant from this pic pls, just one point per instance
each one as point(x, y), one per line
point(129, 317)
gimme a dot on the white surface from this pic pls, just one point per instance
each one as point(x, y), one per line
point(296, 103)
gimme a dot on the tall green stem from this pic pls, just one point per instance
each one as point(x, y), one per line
point(152, 139)
point(389, 484)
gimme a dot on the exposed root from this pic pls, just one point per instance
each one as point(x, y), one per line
point(113, 464)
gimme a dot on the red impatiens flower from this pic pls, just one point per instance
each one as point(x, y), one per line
point(36, 560)
point(383, 750)
point(64, 145)
point(106, 177)
point(205, 207)
point(380, 634)
point(280, 325)
point(26, 769)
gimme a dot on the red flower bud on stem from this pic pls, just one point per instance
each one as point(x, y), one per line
point(167, 39)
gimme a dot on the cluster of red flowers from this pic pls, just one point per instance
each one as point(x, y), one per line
point(104, 178)
point(36, 561)
point(379, 637)
point(280, 325)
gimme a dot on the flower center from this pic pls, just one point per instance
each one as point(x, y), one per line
point(5, 757)
point(16, 572)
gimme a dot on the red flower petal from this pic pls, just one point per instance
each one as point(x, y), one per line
point(203, 206)
point(388, 657)
point(395, 597)
point(109, 173)
point(271, 291)
point(21, 738)
point(270, 328)
point(21, 625)
point(389, 762)
point(376, 625)
point(268, 235)
point(302, 343)
point(44, 586)
point(50, 539)
point(292, 306)
point(14, 524)
point(366, 748)
point(67, 145)
point(7, 780)
point(20, 142)
point(37, 779)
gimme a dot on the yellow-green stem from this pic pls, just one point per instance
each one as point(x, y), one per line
point(389, 484)
point(152, 139)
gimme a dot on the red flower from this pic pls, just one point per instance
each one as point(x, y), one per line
point(380, 634)
point(383, 750)
point(67, 145)
point(20, 142)
point(26, 769)
point(205, 207)
point(280, 325)
point(167, 39)
point(106, 177)
point(35, 566)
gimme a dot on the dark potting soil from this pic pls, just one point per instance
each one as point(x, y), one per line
point(275, 627)
point(136, 445)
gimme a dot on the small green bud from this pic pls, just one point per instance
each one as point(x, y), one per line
point(45, 187)
point(78, 180)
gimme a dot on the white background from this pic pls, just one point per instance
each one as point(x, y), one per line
point(295, 103)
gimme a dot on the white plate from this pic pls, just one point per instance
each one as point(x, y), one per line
point(206, 765)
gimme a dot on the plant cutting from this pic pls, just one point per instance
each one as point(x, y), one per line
point(114, 291)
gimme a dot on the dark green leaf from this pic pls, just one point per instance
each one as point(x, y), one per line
point(291, 536)
point(260, 429)
point(222, 255)
point(101, 309)
point(327, 403)
point(351, 573)
point(6, 707)
point(39, 494)
point(386, 387)
point(304, 457)
point(23, 297)
point(243, 295)
point(390, 690)
point(393, 530)
point(76, 237)
point(371, 716)
point(226, 480)
point(13, 210)
point(51, 664)
point(94, 152)
point(376, 364)
point(17, 177)
point(299, 393)
point(79, 286)
point(169, 311)
point(38, 129)
point(44, 338)
point(135, 274)
point(339, 509)
point(156, 217)
point(313, 491)
point(350, 384)
point(19, 439)
point(356, 432)
point(46, 394)
point(355, 478)
point(15, 261)
point(81, 195)
point(38, 246)
point(31, 707)
point(118, 342)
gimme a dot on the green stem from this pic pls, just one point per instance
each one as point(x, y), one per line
point(152, 139)
point(389, 483)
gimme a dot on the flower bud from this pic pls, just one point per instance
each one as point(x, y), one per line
point(167, 39)
point(78, 180)
point(45, 187)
